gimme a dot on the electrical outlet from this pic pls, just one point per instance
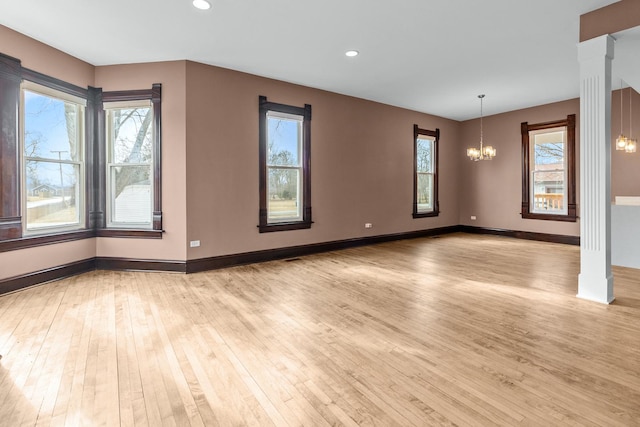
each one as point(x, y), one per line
point(473, 218)
point(368, 225)
point(194, 243)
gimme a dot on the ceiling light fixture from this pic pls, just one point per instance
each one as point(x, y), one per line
point(484, 153)
point(621, 140)
point(630, 147)
point(351, 53)
point(202, 4)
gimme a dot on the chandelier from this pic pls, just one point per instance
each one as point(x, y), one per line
point(628, 145)
point(484, 152)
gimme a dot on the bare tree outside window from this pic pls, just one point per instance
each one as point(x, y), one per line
point(130, 159)
point(52, 160)
point(284, 166)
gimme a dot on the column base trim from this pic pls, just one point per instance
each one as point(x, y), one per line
point(586, 298)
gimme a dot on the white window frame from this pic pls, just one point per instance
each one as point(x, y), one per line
point(533, 136)
point(426, 207)
point(109, 107)
point(28, 86)
point(300, 156)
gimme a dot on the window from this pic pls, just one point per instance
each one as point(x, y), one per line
point(52, 159)
point(548, 176)
point(425, 179)
point(132, 160)
point(129, 160)
point(285, 186)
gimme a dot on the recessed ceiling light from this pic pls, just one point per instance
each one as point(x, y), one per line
point(202, 4)
point(352, 53)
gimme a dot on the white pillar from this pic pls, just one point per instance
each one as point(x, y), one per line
point(595, 281)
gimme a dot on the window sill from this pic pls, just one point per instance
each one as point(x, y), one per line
point(550, 217)
point(48, 239)
point(285, 226)
point(425, 214)
point(69, 236)
point(129, 233)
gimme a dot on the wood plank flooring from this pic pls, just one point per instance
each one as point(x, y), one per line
point(456, 330)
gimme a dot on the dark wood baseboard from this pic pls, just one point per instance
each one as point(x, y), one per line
point(527, 235)
point(204, 264)
point(129, 264)
point(54, 273)
point(193, 266)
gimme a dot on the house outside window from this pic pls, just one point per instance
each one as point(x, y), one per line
point(549, 170)
point(425, 182)
point(53, 167)
point(285, 187)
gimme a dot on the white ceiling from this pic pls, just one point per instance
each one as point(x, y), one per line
point(425, 55)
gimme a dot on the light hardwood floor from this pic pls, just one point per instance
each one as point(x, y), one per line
point(460, 329)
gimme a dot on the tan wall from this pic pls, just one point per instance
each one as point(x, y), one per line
point(362, 156)
point(492, 190)
point(361, 164)
point(25, 261)
point(171, 75)
point(45, 59)
point(625, 167)
point(610, 19)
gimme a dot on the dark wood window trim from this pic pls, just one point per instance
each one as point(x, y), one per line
point(436, 203)
point(154, 95)
point(45, 239)
point(264, 107)
point(95, 157)
point(11, 75)
point(10, 78)
point(570, 124)
point(129, 233)
point(53, 83)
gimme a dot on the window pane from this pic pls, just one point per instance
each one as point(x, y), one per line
point(425, 192)
point(548, 172)
point(284, 139)
point(130, 194)
point(548, 192)
point(52, 194)
point(283, 195)
point(51, 128)
point(424, 155)
point(549, 151)
point(131, 135)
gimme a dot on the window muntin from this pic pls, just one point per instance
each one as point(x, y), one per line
point(548, 170)
point(130, 151)
point(53, 159)
point(284, 166)
point(425, 164)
